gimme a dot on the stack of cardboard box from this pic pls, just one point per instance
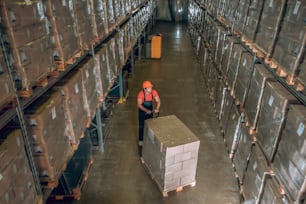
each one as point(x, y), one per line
point(170, 152)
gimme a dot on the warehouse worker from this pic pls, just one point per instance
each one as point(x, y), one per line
point(145, 100)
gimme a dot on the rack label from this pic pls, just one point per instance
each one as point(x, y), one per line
point(300, 129)
point(64, 3)
point(271, 3)
point(76, 88)
point(297, 7)
point(53, 112)
point(271, 100)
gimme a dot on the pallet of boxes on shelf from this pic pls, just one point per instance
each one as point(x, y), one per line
point(49, 137)
point(288, 163)
point(271, 192)
point(222, 93)
point(128, 41)
point(16, 179)
point(106, 81)
point(232, 130)
point(71, 88)
point(113, 58)
point(230, 13)
point(100, 25)
point(251, 107)
point(226, 53)
point(26, 39)
point(110, 15)
point(129, 5)
point(220, 44)
point(214, 7)
point(257, 172)
point(7, 93)
point(272, 116)
point(63, 33)
point(212, 82)
point(242, 153)
point(268, 26)
point(118, 11)
point(83, 17)
point(233, 66)
point(240, 16)
point(207, 64)
point(119, 49)
point(291, 41)
point(222, 9)
point(213, 36)
point(252, 21)
point(244, 76)
point(92, 87)
point(227, 105)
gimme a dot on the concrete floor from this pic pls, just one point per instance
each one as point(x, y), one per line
point(118, 177)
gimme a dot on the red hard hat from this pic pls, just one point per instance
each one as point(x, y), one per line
point(147, 84)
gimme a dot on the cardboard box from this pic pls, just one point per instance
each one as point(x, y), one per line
point(227, 51)
point(254, 176)
point(72, 91)
point(290, 157)
point(272, 116)
point(64, 36)
point(170, 151)
point(48, 144)
point(234, 62)
point(244, 75)
point(91, 86)
point(242, 153)
point(258, 82)
point(232, 130)
point(271, 193)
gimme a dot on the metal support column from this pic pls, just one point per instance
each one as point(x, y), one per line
point(21, 119)
point(139, 48)
point(132, 61)
point(121, 99)
point(99, 130)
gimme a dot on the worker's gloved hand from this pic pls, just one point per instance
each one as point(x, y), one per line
point(149, 112)
point(156, 111)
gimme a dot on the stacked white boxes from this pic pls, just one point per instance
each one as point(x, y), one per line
point(170, 152)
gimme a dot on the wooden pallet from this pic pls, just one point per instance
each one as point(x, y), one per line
point(9, 103)
point(41, 82)
point(164, 193)
point(48, 183)
point(255, 48)
point(62, 65)
point(77, 191)
point(299, 86)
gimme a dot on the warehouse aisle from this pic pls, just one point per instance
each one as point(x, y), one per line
point(118, 177)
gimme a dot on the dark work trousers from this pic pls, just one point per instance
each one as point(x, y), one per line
point(142, 116)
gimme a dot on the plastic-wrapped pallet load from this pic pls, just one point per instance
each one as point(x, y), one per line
point(27, 38)
point(289, 161)
point(170, 153)
point(242, 153)
point(290, 42)
point(271, 120)
point(16, 180)
point(260, 77)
